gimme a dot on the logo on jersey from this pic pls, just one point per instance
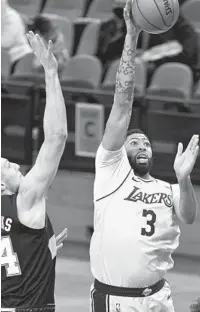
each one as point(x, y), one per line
point(118, 309)
point(154, 198)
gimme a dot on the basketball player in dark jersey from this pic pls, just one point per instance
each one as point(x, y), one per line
point(28, 243)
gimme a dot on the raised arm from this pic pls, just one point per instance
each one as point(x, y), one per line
point(37, 181)
point(120, 115)
point(186, 204)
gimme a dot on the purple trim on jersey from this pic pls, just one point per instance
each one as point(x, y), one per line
point(116, 188)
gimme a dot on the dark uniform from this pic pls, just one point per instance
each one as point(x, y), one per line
point(28, 258)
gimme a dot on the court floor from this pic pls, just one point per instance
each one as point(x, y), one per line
point(73, 282)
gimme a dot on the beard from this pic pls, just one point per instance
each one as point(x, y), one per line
point(140, 169)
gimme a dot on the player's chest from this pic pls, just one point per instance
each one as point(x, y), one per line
point(134, 196)
point(145, 207)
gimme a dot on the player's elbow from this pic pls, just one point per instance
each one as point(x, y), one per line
point(56, 135)
point(56, 140)
point(61, 136)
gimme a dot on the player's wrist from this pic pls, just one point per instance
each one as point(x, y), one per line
point(132, 32)
point(50, 74)
point(183, 181)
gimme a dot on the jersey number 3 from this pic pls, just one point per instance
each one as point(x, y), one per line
point(151, 228)
point(9, 258)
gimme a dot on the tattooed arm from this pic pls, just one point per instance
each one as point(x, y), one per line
point(119, 119)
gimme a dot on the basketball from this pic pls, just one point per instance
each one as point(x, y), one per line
point(155, 16)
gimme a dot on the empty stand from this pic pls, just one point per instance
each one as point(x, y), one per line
point(140, 78)
point(66, 26)
point(71, 9)
point(26, 7)
point(82, 71)
point(165, 130)
point(25, 65)
point(89, 39)
point(172, 80)
point(140, 75)
point(5, 65)
point(16, 128)
point(24, 71)
point(191, 10)
point(100, 9)
point(110, 78)
point(197, 91)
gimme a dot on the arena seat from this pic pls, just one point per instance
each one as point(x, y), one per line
point(16, 128)
point(191, 11)
point(5, 65)
point(100, 9)
point(71, 9)
point(25, 65)
point(197, 91)
point(172, 80)
point(30, 8)
point(82, 71)
point(140, 78)
point(66, 26)
point(166, 129)
point(24, 71)
point(110, 78)
point(195, 100)
point(140, 75)
point(89, 39)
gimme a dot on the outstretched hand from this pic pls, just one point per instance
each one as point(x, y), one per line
point(60, 239)
point(43, 55)
point(130, 23)
point(185, 161)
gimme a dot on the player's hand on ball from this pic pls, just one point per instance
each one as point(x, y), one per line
point(60, 239)
point(130, 23)
point(44, 56)
point(185, 161)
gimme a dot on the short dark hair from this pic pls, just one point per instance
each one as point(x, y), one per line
point(136, 130)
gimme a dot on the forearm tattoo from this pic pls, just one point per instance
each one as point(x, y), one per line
point(125, 78)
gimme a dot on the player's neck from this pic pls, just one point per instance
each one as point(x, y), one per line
point(145, 176)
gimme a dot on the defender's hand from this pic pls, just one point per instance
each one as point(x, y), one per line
point(44, 56)
point(131, 26)
point(60, 239)
point(185, 161)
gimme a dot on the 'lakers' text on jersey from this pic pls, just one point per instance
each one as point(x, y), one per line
point(135, 225)
point(28, 259)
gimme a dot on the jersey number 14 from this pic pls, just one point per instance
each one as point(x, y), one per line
point(9, 258)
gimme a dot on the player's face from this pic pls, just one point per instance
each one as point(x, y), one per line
point(139, 153)
point(10, 176)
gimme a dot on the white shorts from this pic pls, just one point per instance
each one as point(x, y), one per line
point(160, 301)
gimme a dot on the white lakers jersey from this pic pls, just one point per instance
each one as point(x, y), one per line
point(135, 226)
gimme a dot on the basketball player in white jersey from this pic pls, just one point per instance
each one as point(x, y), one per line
point(136, 216)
